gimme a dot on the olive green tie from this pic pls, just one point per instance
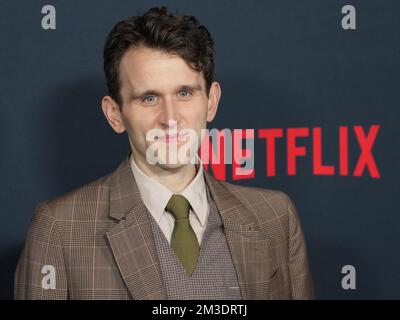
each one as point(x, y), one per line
point(183, 240)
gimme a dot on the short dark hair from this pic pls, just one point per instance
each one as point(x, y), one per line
point(159, 29)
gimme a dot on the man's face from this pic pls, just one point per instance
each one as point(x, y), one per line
point(160, 91)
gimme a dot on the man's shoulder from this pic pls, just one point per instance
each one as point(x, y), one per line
point(273, 209)
point(274, 198)
point(61, 207)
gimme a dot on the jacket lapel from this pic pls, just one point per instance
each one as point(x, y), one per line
point(131, 239)
point(249, 246)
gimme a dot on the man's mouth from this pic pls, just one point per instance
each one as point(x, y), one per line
point(168, 138)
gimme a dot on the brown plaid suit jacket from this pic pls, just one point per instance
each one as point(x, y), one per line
point(99, 240)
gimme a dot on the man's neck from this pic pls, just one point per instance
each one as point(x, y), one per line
point(175, 179)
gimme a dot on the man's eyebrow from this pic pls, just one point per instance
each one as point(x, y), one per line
point(195, 87)
point(137, 95)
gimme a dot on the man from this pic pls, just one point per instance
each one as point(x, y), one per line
point(168, 229)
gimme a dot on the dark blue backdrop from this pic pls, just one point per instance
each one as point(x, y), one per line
point(280, 63)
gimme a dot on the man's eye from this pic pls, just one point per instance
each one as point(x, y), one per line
point(150, 99)
point(184, 94)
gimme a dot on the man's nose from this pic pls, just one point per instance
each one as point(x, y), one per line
point(168, 112)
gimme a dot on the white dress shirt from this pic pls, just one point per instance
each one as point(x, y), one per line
point(156, 196)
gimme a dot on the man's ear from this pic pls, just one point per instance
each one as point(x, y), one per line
point(213, 100)
point(113, 114)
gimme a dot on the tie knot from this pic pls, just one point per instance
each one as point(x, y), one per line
point(178, 206)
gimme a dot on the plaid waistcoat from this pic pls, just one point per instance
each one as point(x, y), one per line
point(215, 275)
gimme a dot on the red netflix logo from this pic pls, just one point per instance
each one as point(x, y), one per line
point(219, 149)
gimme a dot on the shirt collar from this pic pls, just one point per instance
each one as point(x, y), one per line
point(156, 196)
